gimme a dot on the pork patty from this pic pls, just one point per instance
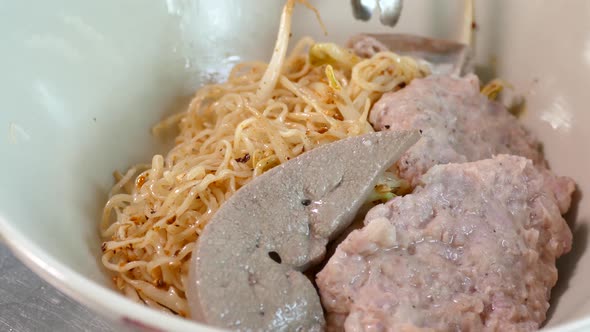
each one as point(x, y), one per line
point(473, 248)
point(458, 124)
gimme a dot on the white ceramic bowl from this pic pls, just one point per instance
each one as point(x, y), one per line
point(83, 81)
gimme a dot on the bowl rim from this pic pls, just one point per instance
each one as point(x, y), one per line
point(121, 309)
point(110, 304)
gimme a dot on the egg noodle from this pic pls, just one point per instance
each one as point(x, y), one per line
point(264, 115)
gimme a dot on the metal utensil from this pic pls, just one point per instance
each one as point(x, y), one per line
point(390, 10)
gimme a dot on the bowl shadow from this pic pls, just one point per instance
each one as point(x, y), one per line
point(567, 264)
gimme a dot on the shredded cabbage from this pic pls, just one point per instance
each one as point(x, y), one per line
point(332, 81)
point(388, 186)
point(332, 54)
point(493, 88)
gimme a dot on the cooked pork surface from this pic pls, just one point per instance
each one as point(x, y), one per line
point(472, 248)
point(366, 46)
point(459, 124)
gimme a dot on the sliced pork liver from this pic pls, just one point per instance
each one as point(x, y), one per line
point(246, 269)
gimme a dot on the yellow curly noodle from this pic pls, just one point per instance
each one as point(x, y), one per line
point(261, 117)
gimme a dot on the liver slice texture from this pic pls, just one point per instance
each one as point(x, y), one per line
point(246, 271)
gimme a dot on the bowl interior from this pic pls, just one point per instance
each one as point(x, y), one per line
point(84, 82)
